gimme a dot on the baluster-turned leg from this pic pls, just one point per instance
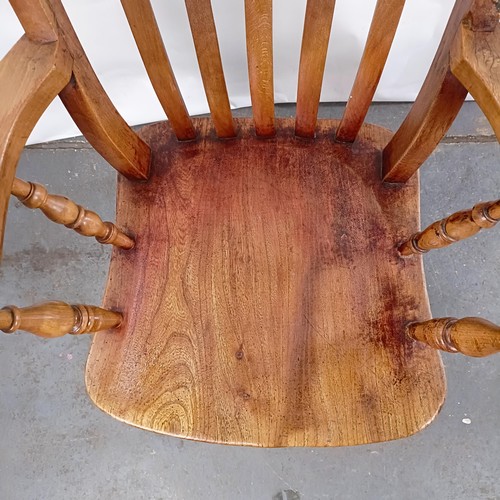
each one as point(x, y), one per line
point(471, 336)
point(456, 227)
point(61, 210)
point(55, 319)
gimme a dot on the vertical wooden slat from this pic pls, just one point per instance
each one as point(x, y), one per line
point(434, 110)
point(147, 35)
point(317, 27)
point(204, 33)
point(378, 44)
point(259, 34)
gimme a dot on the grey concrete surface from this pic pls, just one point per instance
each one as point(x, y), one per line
point(55, 444)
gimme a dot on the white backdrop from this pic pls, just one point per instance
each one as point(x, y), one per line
point(105, 35)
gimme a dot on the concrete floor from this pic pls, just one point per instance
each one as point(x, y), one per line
point(56, 445)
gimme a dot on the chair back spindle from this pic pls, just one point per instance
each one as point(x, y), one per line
point(259, 36)
point(148, 38)
point(315, 38)
point(378, 44)
point(204, 33)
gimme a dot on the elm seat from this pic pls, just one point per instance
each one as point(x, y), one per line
point(266, 286)
point(265, 300)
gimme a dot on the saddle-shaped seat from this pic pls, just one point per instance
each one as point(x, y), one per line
point(266, 287)
point(265, 300)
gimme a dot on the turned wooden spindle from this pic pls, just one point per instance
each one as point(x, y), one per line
point(456, 227)
point(471, 336)
point(62, 210)
point(55, 319)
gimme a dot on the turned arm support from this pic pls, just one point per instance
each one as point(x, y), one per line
point(471, 336)
point(55, 319)
point(64, 211)
point(456, 227)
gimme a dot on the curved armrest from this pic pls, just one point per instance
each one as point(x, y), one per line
point(475, 59)
point(31, 76)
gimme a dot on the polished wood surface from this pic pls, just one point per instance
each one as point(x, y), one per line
point(259, 35)
point(62, 210)
point(434, 110)
point(148, 38)
point(265, 302)
point(382, 30)
point(475, 60)
point(456, 227)
point(31, 76)
point(94, 113)
point(202, 23)
point(317, 26)
point(55, 319)
point(471, 336)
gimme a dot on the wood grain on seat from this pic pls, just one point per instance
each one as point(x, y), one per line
point(265, 302)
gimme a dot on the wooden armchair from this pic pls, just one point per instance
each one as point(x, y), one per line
point(266, 286)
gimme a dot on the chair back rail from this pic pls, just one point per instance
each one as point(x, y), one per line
point(259, 36)
point(315, 38)
point(202, 23)
point(378, 44)
point(142, 21)
point(433, 112)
